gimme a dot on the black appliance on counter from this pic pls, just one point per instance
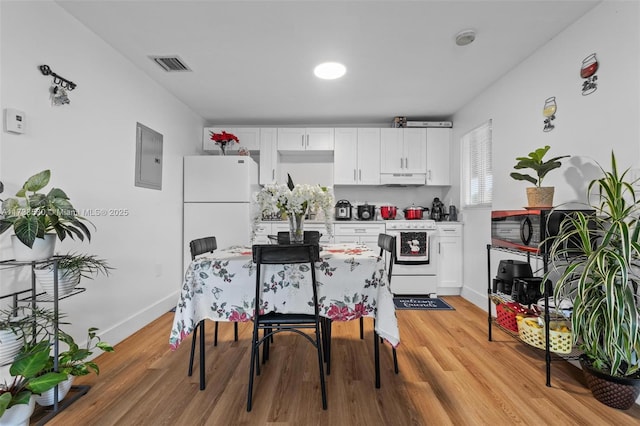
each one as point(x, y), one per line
point(367, 212)
point(343, 210)
point(508, 270)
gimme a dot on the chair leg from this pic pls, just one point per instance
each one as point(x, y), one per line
point(193, 348)
point(235, 331)
point(215, 335)
point(253, 364)
point(202, 365)
point(395, 361)
point(326, 339)
point(361, 328)
point(319, 348)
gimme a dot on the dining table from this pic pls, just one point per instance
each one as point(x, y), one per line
point(351, 279)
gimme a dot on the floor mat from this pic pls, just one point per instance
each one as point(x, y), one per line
point(421, 303)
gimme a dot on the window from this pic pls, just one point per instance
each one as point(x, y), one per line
point(477, 166)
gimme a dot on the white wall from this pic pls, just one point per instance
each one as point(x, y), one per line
point(587, 127)
point(89, 145)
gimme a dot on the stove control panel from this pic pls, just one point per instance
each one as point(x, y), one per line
point(411, 224)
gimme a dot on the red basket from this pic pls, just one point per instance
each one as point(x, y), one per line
point(506, 317)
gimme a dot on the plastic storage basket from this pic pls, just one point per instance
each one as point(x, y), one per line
point(506, 317)
point(532, 333)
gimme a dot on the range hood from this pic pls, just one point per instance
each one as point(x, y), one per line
point(403, 178)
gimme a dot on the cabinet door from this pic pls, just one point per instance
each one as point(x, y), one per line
point(268, 156)
point(391, 151)
point(319, 139)
point(345, 157)
point(450, 260)
point(415, 150)
point(368, 156)
point(291, 139)
point(438, 156)
point(249, 137)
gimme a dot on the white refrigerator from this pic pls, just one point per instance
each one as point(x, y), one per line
point(217, 199)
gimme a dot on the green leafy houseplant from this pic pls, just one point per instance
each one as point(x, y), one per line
point(534, 161)
point(74, 361)
point(30, 376)
point(597, 259)
point(32, 214)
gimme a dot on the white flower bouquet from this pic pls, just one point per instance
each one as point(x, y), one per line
point(292, 200)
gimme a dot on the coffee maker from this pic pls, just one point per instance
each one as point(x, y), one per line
point(437, 210)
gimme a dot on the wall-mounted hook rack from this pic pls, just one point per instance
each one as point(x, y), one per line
point(61, 81)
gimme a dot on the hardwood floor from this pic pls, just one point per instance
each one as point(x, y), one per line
point(449, 375)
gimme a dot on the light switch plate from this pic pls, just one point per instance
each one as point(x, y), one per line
point(14, 121)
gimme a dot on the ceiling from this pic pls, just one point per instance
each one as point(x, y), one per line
point(252, 61)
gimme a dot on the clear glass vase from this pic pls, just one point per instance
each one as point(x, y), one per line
point(296, 228)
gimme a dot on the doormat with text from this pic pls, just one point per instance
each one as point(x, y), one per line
point(421, 303)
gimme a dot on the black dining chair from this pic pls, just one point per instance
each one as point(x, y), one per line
point(275, 322)
point(387, 243)
point(198, 247)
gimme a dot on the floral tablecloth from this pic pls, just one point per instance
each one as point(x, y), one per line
point(352, 283)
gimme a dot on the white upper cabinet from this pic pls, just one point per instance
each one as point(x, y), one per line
point(268, 155)
point(403, 150)
point(357, 156)
point(305, 139)
point(438, 156)
point(249, 138)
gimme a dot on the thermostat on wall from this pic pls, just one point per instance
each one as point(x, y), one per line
point(14, 121)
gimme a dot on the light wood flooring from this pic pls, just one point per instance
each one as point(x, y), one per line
point(449, 375)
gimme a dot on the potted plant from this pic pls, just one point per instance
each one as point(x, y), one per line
point(73, 362)
point(71, 268)
point(537, 196)
point(23, 327)
point(597, 258)
point(33, 216)
point(29, 376)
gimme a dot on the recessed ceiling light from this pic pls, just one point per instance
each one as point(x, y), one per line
point(465, 37)
point(330, 70)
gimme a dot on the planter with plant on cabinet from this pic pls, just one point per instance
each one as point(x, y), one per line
point(538, 196)
point(73, 362)
point(597, 259)
point(36, 218)
point(70, 269)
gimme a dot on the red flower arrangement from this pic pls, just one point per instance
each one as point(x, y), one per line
point(223, 139)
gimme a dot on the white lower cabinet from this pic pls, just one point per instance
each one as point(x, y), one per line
point(449, 245)
point(359, 232)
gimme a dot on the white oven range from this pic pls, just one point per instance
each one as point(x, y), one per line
point(416, 267)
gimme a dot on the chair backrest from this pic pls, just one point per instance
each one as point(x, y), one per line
point(277, 254)
point(202, 245)
point(309, 237)
point(388, 243)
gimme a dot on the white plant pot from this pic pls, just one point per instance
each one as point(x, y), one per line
point(10, 345)
point(42, 248)
point(46, 399)
point(19, 414)
point(67, 280)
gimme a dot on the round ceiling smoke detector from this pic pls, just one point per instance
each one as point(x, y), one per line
point(330, 70)
point(465, 37)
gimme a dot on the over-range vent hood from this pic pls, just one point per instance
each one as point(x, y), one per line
point(170, 63)
point(404, 179)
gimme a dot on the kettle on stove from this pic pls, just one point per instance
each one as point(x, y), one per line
point(437, 210)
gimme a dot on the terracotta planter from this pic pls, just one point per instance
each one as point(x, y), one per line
point(42, 248)
point(540, 196)
point(616, 392)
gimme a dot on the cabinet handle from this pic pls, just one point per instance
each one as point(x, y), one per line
point(438, 248)
point(401, 160)
point(360, 174)
point(307, 141)
point(429, 175)
point(273, 174)
point(406, 163)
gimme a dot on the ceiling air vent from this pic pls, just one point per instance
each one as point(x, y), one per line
point(170, 63)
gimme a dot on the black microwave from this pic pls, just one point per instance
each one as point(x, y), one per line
point(526, 229)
